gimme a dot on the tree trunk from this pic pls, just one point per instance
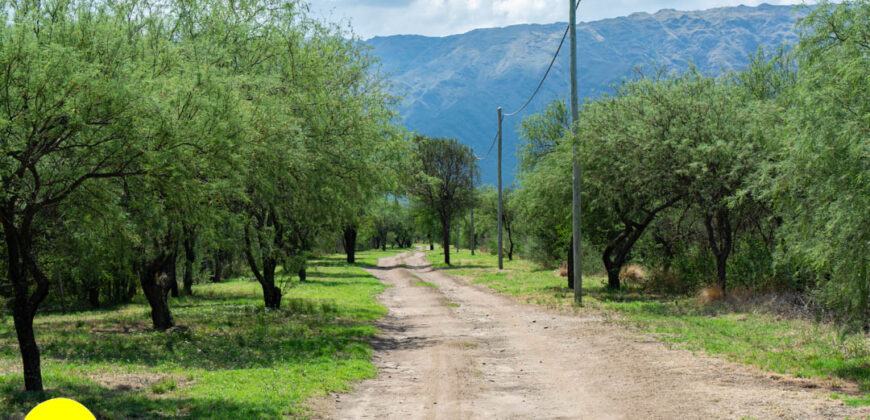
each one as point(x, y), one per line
point(303, 275)
point(431, 242)
point(350, 244)
point(188, 277)
point(614, 257)
point(719, 234)
point(272, 297)
point(571, 264)
point(94, 297)
point(23, 318)
point(445, 240)
point(668, 247)
point(172, 274)
point(218, 268)
point(721, 275)
point(154, 285)
point(612, 274)
point(510, 239)
point(616, 253)
point(19, 263)
point(266, 278)
point(189, 259)
point(271, 293)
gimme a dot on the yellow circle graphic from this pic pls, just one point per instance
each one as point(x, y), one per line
point(60, 409)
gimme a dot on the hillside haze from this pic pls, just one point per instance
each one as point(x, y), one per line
point(453, 85)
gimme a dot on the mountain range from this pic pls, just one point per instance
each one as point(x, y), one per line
point(451, 86)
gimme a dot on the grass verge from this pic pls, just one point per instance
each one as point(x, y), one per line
point(747, 334)
point(228, 357)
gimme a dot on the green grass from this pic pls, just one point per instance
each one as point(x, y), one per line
point(228, 358)
point(853, 401)
point(423, 283)
point(519, 278)
point(737, 332)
point(370, 258)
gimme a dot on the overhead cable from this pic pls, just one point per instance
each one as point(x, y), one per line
point(540, 84)
point(547, 73)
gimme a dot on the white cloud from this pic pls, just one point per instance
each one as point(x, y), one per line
point(445, 17)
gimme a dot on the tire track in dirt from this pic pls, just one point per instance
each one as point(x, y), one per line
point(491, 357)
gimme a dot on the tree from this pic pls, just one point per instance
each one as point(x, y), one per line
point(725, 148)
point(819, 181)
point(402, 224)
point(542, 133)
point(442, 184)
point(628, 146)
point(72, 109)
point(544, 188)
point(543, 207)
point(348, 239)
point(426, 223)
point(193, 170)
point(318, 119)
point(385, 176)
point(661, 141)
point(488, 205)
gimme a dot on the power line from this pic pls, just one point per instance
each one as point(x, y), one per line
point(538, 88)
point(547, 73)
point(490, 147)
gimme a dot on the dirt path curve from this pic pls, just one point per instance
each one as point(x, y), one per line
point(493, 358)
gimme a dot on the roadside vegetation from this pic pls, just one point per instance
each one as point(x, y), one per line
point(227, 357)
point(754, 182)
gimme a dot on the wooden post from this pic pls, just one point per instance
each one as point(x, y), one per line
point(471, 175)
point(500, 252)
point(575, 187)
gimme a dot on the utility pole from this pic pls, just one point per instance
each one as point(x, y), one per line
point(500, 256)
point(575, 187)
point(471, 175)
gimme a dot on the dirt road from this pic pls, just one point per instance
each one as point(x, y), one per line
point(458, 351)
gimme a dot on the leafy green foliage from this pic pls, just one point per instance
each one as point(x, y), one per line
point(543, 210)
point(443, 184)
point(756, 179)
point(820, 182)
point(151, 134)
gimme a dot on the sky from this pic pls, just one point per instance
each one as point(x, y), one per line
point(446, 17)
